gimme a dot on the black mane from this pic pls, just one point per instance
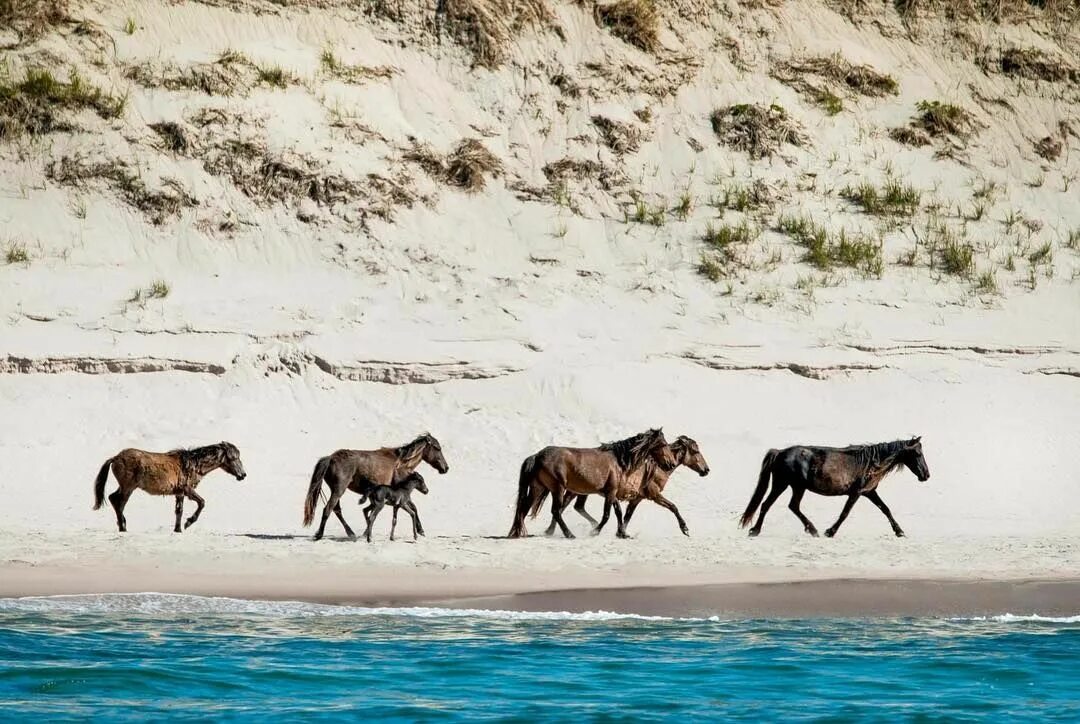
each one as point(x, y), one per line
point(632, 451)
point(194, 460)
point(882, 456)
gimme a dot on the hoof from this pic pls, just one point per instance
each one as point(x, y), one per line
point(685, 532)
point(754, 533)
point(188, 522)
point(176, 529)
point(352, 536)
point(570, 536)
point(317, 537)
point(899, 534)
point(829, 533)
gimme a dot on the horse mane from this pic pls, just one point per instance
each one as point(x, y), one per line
point(192, 460)
point(879, 459)
point(631, 452)
point(413, 449)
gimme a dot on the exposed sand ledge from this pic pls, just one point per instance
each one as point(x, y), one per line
point(770, 593)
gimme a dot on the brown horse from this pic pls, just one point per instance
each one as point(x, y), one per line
point(360, 470)
point(853, 471)
point(176, 473)
point(647, 483)
point(584, 471)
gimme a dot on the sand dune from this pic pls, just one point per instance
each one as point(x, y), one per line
point(329, 279)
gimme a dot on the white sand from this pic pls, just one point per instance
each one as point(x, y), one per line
point(285, 337)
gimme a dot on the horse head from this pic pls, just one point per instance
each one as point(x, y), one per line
point(660, 450)
point(230, 460)
point(689, 454)
point(433, 454)
point(912, 457)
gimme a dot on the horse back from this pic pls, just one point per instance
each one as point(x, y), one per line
point(823, 470)
point(362, 469)
point(156, 473)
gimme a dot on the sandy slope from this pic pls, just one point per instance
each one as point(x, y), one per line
point(502, 325)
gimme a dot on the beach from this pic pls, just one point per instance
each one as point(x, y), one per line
point(349, 279)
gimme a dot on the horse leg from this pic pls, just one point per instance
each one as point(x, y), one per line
point(375, 508)
point(179, 511)
point(418, 527)
point(199, 505)
point(603, 518)
point(579, 506)
point(843, 514)
point(410, 508)
point(556, 512)
point(341, 517)
point(119, 499)
point(393, 522)
point(335, 499)
point(874, 498)
point(777, 489)
point(665, 503)
point(551, 528)
point(793, 506)
point(620, 530)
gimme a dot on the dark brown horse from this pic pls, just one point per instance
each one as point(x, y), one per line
point(360, 470)
point(647, 483)
point(176, 473)
point(853, 471)
point(563, 471)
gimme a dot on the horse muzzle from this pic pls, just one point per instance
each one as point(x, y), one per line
point(704, 472)
point(241, 476)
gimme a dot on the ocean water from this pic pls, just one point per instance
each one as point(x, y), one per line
point(133, 657)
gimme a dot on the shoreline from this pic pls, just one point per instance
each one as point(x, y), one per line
point(673, 595)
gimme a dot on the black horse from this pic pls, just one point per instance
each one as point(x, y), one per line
point(398, 495)
point(853, 471)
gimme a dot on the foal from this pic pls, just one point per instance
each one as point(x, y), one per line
point(398, 495)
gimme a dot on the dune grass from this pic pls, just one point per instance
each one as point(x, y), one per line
point(40, 103)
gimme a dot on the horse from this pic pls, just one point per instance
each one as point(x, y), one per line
point(645, 484)
point(361, 470)
point(176, 472)
point(584, 471)
point(854, 471)
point(398, 495)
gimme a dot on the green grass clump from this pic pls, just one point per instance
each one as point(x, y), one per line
point(826, 251)
point(950, 253)
point(986, 283)
point(274, 75)
point(333, 66)
point(38, 103)
point(726, 249)
point(159, 289)
point(1042, 255)
point(894, 198)
point(941, 119)
point(16, 253)
point(829, 102)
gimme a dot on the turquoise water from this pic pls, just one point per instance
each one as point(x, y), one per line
point(150, 655)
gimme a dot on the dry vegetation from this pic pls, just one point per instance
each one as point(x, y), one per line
point(619, 137)
point(231, 73)
point(31, 18)
point(486, 27)
point(466, 166)
point(40, 103)
point(633, 21)
point(159, 205)
point(834, 71)
point(1034, 64)
point(348, 73)
point(938, 119)
point(758, 130)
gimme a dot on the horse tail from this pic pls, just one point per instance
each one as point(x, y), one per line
point(315, 489)
point(528, 472)
point(759, 491)
point(99, 484)
point(538, 503)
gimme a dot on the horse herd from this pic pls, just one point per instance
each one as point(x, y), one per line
point(626, 471)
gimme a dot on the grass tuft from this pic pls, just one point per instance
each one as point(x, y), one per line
point(16, 253)
point(38, 103)
point(941, 119)
point(826, 251)
point(894, 198)
point(158, 289)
